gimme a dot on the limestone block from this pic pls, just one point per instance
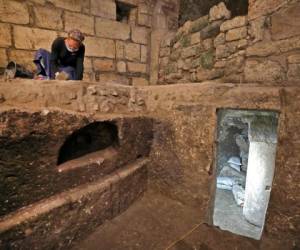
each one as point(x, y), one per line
point(266, 71)
point(294, 72)
point(139, 35)
point(103, 65)
point(104, 8)
point(236, 22)
point(74, 5)
point(132, 52)
point(50, 18)
point(236, 34)
point(286, 22)
point(112, 29)
point(121, 67)
point(14, 12)
point(220, 39)
point(137, 67)
point(79, 21)
point(31, 38)
point(5, 38)
point(22, 57)
point(144, 54)
point(218, 12)
point(99, 47)
point(3, 58)
point(139, 81)
point(120, 50)
point(294, 58)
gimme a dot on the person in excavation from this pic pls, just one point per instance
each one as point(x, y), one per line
point(65, 62)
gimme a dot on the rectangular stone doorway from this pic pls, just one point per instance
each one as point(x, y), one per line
point(246, 149)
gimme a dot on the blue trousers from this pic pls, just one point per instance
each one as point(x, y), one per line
point(42, 62)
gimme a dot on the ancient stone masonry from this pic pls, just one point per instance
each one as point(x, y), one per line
point(260, 47)
point(116, 51)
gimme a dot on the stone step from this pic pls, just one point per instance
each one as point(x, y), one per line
point(54, 223)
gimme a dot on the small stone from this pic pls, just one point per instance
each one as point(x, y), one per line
point(218, 12)
point(236, 22)
point(236, 34)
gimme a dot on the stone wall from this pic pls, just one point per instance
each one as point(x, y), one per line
point(261, 47)
point(116, 51)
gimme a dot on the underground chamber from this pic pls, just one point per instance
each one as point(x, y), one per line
point(245, 163)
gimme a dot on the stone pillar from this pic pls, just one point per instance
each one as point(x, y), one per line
point(159, 29)
point(261, 165)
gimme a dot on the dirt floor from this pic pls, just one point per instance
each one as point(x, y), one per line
point(157, 222)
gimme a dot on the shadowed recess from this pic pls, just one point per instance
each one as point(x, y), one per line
point(93, 137)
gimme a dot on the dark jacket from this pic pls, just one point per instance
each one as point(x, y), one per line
point(61, 57)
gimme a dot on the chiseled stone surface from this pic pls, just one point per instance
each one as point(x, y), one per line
point(132, 51)
point(84, 22)
point(103, 65)
point(74, 5)
point(104, 8)
point(47, 17)
point(99, 47)
point(32, 38)
point(137, 67)
point(112, 29)
point(5, 38)
point(14, 12)
point(22, 57)
point(140, 35)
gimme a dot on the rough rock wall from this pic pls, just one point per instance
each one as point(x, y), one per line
point(194, 9)
point(183, 150)
point(261, 47)
point(115, 51)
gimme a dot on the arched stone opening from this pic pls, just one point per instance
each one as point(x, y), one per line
point(91, 138)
